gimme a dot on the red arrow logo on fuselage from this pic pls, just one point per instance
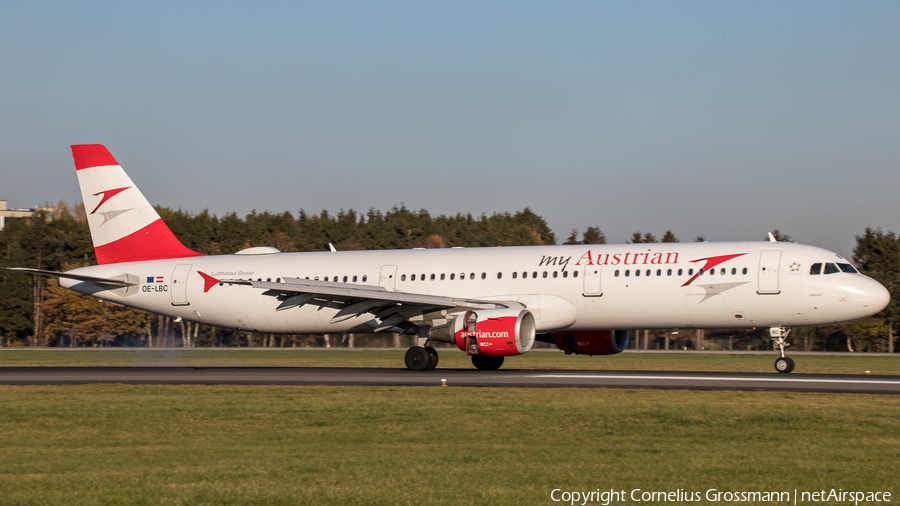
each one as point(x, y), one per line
point(710, 263)
point(208, 281)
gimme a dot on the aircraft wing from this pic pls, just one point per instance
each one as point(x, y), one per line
point(78, 277)
point(391, 308)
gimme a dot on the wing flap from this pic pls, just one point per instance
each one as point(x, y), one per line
point(290, 287)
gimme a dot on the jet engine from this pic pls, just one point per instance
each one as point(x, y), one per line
point(591, 342)
point(490, 332)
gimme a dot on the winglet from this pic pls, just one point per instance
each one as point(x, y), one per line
point(331, 247)
point(772, 238)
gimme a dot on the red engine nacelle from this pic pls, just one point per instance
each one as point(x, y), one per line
point(591, 342)
point(494, 332)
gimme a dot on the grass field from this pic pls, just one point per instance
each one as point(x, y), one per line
point(453, 359)
point(118, 444)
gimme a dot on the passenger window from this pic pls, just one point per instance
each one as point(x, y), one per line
point(565, 274)
point(403, 277)
point(848, 268)
point(831, 268)
point(575, 274)
point(701, 271)
point(364, 278)
point(483, 275)
point(534, 275)
point(659, 272)
point(354, 279)
point(325, 279)
point(278, 280)
point(637, 272)
point(669, 272)
point(627, 273)
point(555, 274)
point(745, 270)
point(452, 276)
point(617, 273)
point(413, 277)
point(442, 276)
point(690, 272)
point(722, 271)
point(712, 272)
point(524, 275)
point(815, 269)
point(679, 272)
point(432, 277)
point(499, 275)
point(472, 276)
point(733, 271)
point(462, 276)
point(515, 274)
point(545, 275)
point(422, 277)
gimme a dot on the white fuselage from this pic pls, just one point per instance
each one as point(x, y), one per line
point(581, 287)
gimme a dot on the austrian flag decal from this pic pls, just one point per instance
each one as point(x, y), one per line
point(154, 279)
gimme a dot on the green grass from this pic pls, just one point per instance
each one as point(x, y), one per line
point(118, 444)
point(450, 358)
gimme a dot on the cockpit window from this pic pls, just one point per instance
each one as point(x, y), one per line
point(848, 268)
point(815, 269)
point(831, 268)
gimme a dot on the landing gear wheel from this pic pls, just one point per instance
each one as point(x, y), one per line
point(784, 364)
point(432, 358)
point(417, 359)
point(486, 363)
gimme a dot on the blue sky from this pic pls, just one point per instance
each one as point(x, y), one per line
point(724, 119)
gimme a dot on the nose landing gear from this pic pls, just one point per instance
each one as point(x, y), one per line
point(779, 336)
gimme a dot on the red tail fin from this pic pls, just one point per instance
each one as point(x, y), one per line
point(124, 226)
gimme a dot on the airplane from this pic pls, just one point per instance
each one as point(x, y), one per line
point(489, 302)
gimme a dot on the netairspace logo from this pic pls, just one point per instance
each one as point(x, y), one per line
point(712, 495)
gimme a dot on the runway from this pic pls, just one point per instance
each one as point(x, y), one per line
point(452, 378)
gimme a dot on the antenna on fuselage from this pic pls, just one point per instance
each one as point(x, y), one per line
point(331, 247)
point(772, 238)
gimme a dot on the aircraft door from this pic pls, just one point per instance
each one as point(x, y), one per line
point(592, 281)
point(179, 285)
point(591, 287)
point(769, 263)
point(388, 276)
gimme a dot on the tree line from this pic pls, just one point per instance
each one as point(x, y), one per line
point(35, 311)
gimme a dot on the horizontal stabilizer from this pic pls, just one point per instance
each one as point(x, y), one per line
point(77, 277)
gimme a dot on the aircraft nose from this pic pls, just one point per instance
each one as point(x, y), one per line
point(876, 297)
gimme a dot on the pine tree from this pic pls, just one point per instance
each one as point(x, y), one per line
point(15, 297)
point(593, 235)
point(877, 255)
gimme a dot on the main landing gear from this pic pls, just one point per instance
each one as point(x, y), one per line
point(421, 358)
point(779, 335)
point(425, 358)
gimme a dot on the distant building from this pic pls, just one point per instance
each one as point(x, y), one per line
point(8, 214)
